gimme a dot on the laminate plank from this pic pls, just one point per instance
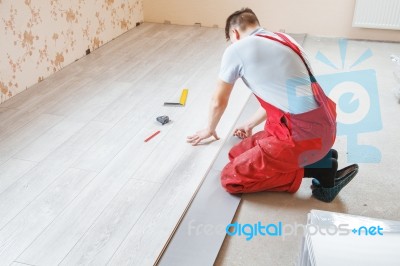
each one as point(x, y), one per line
point(27, 112)
point(99, 243)
point(58, 238)
point(97, 157)
point(92, 108)
point(49, 141)
point(47, 171)
point(14, 121)
point(22, 138)
point(55, 91)
point(105, 64)
point(34, 93)
point(129, 39)
point(5, 113)
point(151, 46)
point(143, 49)
point(43, 93)
point(131, 100)
point(89, 92)
point(17, 235)
point(128, 50)
point(174, 32)
point(168, 52)
point(68, 104)
point(12, 170)
point(16, 263)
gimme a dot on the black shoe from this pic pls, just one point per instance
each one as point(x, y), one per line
point(339, 175)
point(329, 194)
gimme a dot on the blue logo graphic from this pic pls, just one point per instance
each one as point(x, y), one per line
point(368, 231)
point(357, 102)
point(251, 230)
point(282, 230)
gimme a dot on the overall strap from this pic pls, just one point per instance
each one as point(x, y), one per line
point(292, 46)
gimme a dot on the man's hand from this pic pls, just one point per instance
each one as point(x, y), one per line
point(201, 135)
point(246, 130)
point(243, 132)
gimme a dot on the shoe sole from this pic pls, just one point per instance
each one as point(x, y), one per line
point(329, 194)
point(340, 175)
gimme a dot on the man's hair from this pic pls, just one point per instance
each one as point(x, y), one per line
point(241, 18)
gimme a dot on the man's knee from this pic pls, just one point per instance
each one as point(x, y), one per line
point(235, 151)
point(231, 185)
point(241, 147)
point(230, 181)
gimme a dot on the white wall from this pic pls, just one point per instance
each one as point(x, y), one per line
point(331, 18)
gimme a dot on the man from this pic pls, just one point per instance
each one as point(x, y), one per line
point(300, 126)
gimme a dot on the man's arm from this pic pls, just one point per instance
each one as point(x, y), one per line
point(259, 116)
point(218, 105)
point(245, 130)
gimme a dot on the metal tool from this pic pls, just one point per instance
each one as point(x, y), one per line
point(163, 119)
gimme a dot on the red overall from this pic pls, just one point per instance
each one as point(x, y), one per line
point(274, 159)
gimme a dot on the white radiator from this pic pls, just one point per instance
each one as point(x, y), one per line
point(380, 14)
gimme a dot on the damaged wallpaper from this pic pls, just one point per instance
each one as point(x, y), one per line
point(38, 38)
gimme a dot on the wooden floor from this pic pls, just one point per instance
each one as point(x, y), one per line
point(78, 185)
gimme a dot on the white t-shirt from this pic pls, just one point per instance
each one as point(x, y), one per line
point(273, 71)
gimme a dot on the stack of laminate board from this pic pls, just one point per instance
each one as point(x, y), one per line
point(343, 239)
